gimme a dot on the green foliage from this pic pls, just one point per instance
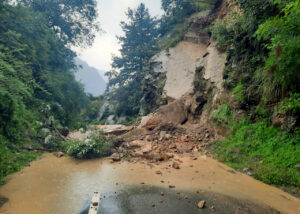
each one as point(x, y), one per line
point(238, 92)
point(176, 11)
point(75, 22)
point(10, 161)
point(290, 104)
point(261, 112)
point(174, 22)
point(222, 115)
point(283, 32)
point(269, 152)
point(175, 35)
point(138, 45)
point(36, 72)
point(264, 35)
point(91, 148)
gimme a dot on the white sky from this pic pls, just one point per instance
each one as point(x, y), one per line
point(111, 13)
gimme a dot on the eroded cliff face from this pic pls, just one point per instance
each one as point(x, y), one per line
point(179, 64)
point(194, 77)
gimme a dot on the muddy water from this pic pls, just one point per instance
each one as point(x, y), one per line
point(63, 185)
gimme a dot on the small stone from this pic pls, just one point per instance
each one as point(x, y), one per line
point(115, 157)
point(167, 136)
point(176, 165)
point(148, 138)
point(186, 197)
point(171, 186)
point(201, 204)
point(142, 183)
point(161, 201)
point(162, 134)
point(162, 181)
point(212, 208)
point(153, 205)
point(197, 192)
point(297, 165)
point(158, 172)
point(95, 203)
point(162, 193)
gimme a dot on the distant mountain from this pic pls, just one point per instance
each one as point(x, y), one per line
point(102, 74)
point(90, 78)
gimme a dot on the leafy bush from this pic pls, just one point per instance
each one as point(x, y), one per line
point(290, 105)
point(222, 115)
point(283, 32)
point(269, 152)
point(90, 148)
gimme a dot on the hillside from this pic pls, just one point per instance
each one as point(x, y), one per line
point(90, 78)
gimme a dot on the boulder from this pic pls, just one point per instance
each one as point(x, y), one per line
point(58, 154)
point(64, 131)
point(136, 144)
point(175, 165)
point(162, 135)
point(115, 129)
point(147, 148)
point(115, 157)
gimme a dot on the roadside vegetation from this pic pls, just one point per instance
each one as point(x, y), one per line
point(93, 147)
point(262, 76)
point(38, 91)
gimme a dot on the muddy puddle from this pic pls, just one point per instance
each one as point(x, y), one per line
point(63, 185)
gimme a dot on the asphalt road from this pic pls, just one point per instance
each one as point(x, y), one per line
point(148, 200)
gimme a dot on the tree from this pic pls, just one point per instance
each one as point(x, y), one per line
point(283, 31)
point(138, 45)
point(176, 12)
point(74, 21)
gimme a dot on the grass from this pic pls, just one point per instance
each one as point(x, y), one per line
point(222, 115)
point(238, 92)
point(11, 162)
point(270, 153)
